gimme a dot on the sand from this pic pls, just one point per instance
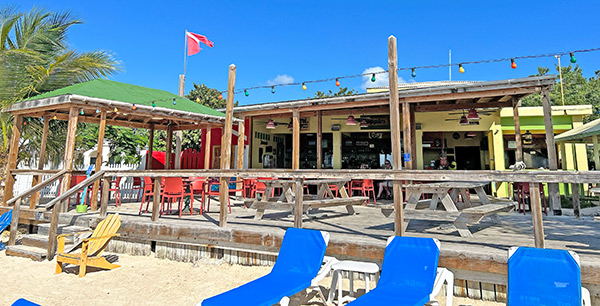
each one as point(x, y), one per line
point(142, 280)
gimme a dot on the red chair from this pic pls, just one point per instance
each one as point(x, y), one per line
point(364, 186)
point(137, 185)
point(116, 189)
point(197, 185)
point(173, 190)
point(248, 187)
point(522, 191)
point(211, 192)
point(148, 191)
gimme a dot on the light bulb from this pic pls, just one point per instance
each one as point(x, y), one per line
point(220, 96)
point(97, 110)
point(153, 104)
point(337, 82)
point(303, 86)
point(246, 92)
point(54, 117)
point(82, 112)
point(133, 107)
point(513, 65)
point(272, 89)
point(461, 69)
point(413, 73)
point(373, 78)
point(197, 100)
point(573, 59)
point(116, 110)
point(174, 101)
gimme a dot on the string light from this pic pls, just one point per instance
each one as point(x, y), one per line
point(246, 92)
point(513, 64)
point(460, 65)
point(413, 73)
point(174, 101)
point(303, 86)
point(153, 103)
point(337, 82)
point(220, 96)
point(133, 107)
point(197, 100)
point(116, 110)
point(54, 117)
point(82, 112)
point(97, 110)
point(272, 89)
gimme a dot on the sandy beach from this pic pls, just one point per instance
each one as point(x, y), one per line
point(140, 281)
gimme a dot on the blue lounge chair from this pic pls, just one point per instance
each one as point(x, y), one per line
point(410, 274)
point(545, 277)
point(24, 302)
point(299, 261)
point(5, 220)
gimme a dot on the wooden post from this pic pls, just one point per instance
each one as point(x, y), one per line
point(296, 140)
point(413, 137)
point(250, 139)
point(13, 155)
point(319, 139)
point(298, 206)
point(207, 151)
point(553, 190)
point(14, 222)
point(536, 215)
point(395, 134)
point(406, 124)
point(104, 198)
point(178, 139)
point(240, 151)
point(69, 150)
point(576, 200)
point(35, 198)
point(101, 130)
point(156, 199)
point(150, 148)
point(517, 122)
point(169, 147)
point(226, 148)
point(596, 154)
point(53, 229)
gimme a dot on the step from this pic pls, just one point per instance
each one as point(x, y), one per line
point(24, 251)
point(41, 241)
point(44, 229)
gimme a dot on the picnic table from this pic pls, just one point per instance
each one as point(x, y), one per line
point(447, 193)
point(324, 197)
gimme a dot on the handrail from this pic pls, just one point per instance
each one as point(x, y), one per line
point(42, 172)
point(67, 194)
point(534, 176)
point(37, 187)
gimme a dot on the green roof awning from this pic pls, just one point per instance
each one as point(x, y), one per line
point(128, 93)
point(580, 133)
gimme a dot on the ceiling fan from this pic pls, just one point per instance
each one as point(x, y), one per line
point(271, 124)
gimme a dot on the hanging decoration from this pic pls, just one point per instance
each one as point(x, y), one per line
point(460, 68)
point(246, 92)
point(413, 73)
point(115, 110)
point(174, 101)
point(473, 115)
point(271, 124)
point(82, 112)
point(363, 124)
point(513, 64)
point(54, 117)
point(337, 82)
point(197, 100)
point(220, 96)
point(350, 120)
point(527, 138)
point(373, 78)
point(133, 107)
point(272, 89)
point(573, 59)
point(97, 110)
point(153, 103)
point(303, 86)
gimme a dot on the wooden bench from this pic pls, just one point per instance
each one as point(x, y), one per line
point(261, 206)
point(460, 219)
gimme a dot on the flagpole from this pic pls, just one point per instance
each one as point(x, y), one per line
point(184, 52)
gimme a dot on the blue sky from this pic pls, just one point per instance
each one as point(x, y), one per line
point(308, 40)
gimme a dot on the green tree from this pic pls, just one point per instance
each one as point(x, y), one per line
point(576, 88)
point(343, 91)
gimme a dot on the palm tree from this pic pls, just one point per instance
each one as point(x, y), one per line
point(35, 58)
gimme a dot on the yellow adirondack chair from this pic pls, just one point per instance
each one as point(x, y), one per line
point(91, 248)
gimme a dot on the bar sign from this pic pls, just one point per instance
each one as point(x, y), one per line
point(406, 157)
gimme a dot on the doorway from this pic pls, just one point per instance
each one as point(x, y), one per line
point(468, 158)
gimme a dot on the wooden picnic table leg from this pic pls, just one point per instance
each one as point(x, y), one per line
point(411, 202)
point(265, 198)
point(465, 197)
point(322, 192)
point(449, 205)
point(434, 201)
point(328, 190)
point(463, 230)
point(344, 194)
point(483, 197)
point(454, 194)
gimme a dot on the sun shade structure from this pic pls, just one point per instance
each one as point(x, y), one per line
point(126, 105)
point(584, 133)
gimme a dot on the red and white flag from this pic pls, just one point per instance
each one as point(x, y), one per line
point(193, 42)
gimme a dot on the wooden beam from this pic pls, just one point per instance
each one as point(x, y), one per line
point(105, 194)
point(576, 200)
point(517, 122)
point(475, 94)
point(178, 140)
point(150, 148)
point(298, 206)
point(413, 137)
point(169, 147)
point(226, 147)
point(207, 148)
point(451, 107)
point(156, 199)
point(319, 139)
point(395, 135)
point(241, 145)
point(35, 198)
point(553, 190)
point(12, 157)
point(406, 124)
point(14, 222)
point(53, 230)
point(312, 108)
point(250, 140)
point(69, 149)
point(101, 131)
point(296, 140)
point(536, 215)
point(595, 148)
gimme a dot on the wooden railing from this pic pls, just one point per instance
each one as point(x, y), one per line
point(16, 201)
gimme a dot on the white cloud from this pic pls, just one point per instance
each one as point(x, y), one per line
point(281, 79)
point(381, 79)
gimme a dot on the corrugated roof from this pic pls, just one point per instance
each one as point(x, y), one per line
point(128, 93)
point(580, 133)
